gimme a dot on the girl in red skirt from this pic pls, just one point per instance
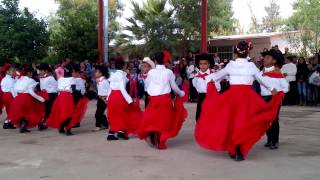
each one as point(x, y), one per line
point(122, 112)
point(162, 119)
point(63, 109)
point(27, 109)
point(7, 88)
point(236, 119)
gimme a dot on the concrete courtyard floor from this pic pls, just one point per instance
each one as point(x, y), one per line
point(88, 156)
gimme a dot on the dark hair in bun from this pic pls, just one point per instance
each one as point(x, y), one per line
point(242, 49)
point(159, 56)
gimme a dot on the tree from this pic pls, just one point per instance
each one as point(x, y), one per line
point(154, 25)
point(306, 20)
point(255, 26)
point(23, 37)
point(272, 21)
point(74, 29)
point(188, 17)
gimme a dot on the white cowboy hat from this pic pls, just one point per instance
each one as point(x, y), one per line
point(149, 61)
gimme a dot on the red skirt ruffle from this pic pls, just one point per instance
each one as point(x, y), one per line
point(25, 107)
point(63, 108)
point(79, 112)
point(164, 116)
point(7, 99)
point(121, 115)
point(239, 116)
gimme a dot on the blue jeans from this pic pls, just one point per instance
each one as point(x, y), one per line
point(302, 89)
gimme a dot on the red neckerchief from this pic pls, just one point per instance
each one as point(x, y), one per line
point(203, 76)
point(276, 73)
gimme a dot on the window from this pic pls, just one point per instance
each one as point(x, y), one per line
point(224, 52)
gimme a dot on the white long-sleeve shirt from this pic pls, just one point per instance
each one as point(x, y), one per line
point(280, 84)
point(65, 84)
point(7, 85)
point(49, 84)
point(27, 85)
point(118, 81)
point(199, 82)
point(103, 87)
point(160, 81)
point(80, 85)
point(291, 70)
point(240, 72)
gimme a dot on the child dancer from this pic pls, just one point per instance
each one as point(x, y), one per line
point(7, 87)
point(204, 62)
point(122, 113)
point(49, 84)
point(63, 108)
point(147, 65)
point(80, 100)
point(102, 76)
point(272, 72)
point(3, 71)
point(27, 108)
point(236, 119)
point(160, 121)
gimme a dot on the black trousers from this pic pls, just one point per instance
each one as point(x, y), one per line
point(292, 97)
point(274, 130)
point(48, 104)
point(201, 97)
point(193, 91)
point(101, 118)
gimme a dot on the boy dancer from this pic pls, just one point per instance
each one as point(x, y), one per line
point(204, 62)
point(272, 73)
point(103, 92)
point(7, 87)
point(49, 84)
point(159, 121)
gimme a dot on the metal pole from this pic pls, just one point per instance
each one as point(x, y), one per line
point(106, 30)
point(100, 31)
point(204, 26)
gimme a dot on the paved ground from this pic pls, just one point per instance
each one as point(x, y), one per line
point(88, 156)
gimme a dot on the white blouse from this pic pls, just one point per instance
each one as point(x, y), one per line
point(280, 84)
point(240, 72)
point(27, 85)
point(118, 81)
point(49, 84)
point(200, 83)
point(80, 85)
point(7, 85)
point(64, 84)
point(160, 81)
point(103, 86)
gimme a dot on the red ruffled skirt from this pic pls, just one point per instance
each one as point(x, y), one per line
point(80, 111)
point(163, 116)
point(7, 99)
point(63, 108)
point(25, 107)
point(239, 116)
point(121, 115)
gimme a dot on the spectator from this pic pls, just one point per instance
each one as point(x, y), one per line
point(191, 72)
point(302, 76)
point(314, 84)
point(289, 70)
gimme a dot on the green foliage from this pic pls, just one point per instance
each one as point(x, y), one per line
point(23, 37)
point(153, 24)
point(74, 30)
point(306, 19)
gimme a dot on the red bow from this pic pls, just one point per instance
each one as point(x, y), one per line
point(167, 56)
point(203, 76)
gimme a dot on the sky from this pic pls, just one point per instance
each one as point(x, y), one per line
point(44, 8)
